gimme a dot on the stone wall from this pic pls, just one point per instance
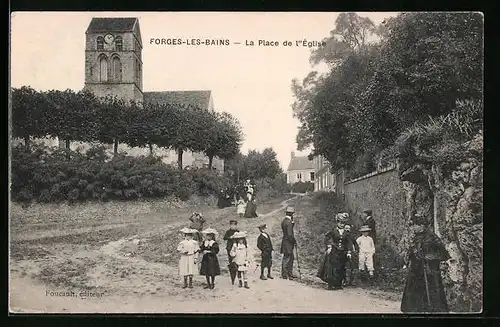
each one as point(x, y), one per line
point(452, 197)
point(383, 193)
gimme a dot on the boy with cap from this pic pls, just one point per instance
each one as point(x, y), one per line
point(264, 244)
point(366, 251)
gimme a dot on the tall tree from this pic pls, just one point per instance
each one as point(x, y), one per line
point(225, 137)
point(28, 114)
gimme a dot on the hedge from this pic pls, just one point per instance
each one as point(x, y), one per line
point(43, 174)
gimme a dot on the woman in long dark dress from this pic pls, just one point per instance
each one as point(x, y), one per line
point(209, 263)
point(339, 247)
point(424, 290)
point(251, 209)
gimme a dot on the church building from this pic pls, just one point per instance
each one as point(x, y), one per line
point(114, 66)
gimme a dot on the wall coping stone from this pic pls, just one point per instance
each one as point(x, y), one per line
point(374, 173)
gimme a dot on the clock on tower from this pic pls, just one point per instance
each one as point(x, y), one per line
point(109, 39)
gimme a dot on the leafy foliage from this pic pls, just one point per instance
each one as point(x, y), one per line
point(52, 175)
point(302, 187)
point(83, 117)
point(419, 66)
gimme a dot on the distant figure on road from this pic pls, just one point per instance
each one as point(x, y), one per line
point(241, 207)
point(287, 244)
point(424, 290)
point(224, 199)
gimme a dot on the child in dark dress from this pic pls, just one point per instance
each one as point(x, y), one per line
point(209, 263)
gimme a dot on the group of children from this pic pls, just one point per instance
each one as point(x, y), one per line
point(239, 258)
point(237, 250)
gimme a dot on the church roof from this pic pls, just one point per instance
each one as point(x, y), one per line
point(196, 98)
point(300, 163)
point(112, 24)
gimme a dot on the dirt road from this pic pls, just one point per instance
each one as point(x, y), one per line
point(118, 277)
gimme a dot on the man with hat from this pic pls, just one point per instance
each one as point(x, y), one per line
point(287, 244)
point(370, 222)
point(265, 245)
point(424, 290)
point(233, 268)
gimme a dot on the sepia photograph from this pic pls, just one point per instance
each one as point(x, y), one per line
point(246, 162)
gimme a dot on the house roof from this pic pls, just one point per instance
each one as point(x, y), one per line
point(300, 163)
point(197, 98)
point(112, 25)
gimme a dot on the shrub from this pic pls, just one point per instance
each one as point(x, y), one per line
point(53, 175)
point(303, 187)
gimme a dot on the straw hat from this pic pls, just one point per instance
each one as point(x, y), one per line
point(342, 217)
point(186, 230)
point(290, 209)
point(239, 235)
point(210, 231)
point(365, 229)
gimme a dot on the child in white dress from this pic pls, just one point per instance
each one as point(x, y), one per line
point(188, 248)
point(241, 207)
point(241, 257)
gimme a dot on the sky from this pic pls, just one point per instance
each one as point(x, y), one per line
point(253, 83)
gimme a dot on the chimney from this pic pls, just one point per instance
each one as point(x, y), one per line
point(293, 154)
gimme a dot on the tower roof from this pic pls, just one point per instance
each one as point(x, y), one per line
point(196, 98)
point(112, 25)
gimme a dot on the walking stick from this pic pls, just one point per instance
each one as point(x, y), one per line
point(424, 264)
point(298, 261)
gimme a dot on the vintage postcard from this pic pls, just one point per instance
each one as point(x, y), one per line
point(252, 162)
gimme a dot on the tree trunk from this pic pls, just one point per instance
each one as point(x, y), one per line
point(179, 158)
point(150, 149)
point(115, 147)
point(67, 143)
point(210, 161)
point(27, 142)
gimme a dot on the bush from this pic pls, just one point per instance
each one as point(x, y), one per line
point(53, 175)
point(303, 187)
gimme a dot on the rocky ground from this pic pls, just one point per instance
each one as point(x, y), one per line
point(120, 258)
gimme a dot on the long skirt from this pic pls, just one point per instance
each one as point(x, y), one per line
point(187, 266)
point(424, 290)
point(332, 268)
point(251, 210)
point(210, 265)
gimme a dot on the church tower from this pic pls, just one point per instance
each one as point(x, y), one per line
point(113, 58)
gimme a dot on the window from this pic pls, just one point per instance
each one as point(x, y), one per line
point(312, 176)
point(100, 43)
point(119, 43)
point(103, 68)
point(138, 70)
point(117, 69)
point(299, 176)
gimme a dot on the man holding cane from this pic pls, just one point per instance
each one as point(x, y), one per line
point(287, 244)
